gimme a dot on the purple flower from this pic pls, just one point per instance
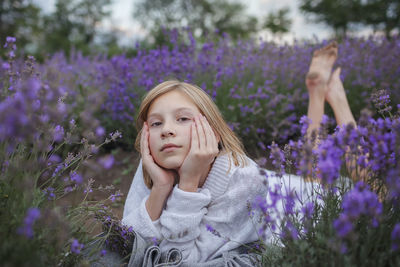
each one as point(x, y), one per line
point(343, 226)
point(76, 178)
point(58, 133)
point(393, 184)
point(304, 122)
point(54, 159)
point(76, 247)
point(49, 192)
point(57, 170)
point(261, 145)
point(107, 161)
point(307, 210)
point(353, 204)
point(11, 39)
point(329, 160)
point(103, 252)
point(113, 197)
point(155, 241)
point(100, 131)
point(290, 231)
point(395, 237)
point(6, 66)
point(289, 203)
point(27, 229)
point(11, 54)
point(357, 202)
point(68, 189)
point(361, 201)
point(278, 159)
point(259, 202)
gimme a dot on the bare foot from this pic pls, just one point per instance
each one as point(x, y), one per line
point(335, 94)
point(320, 69)
point(336, 97)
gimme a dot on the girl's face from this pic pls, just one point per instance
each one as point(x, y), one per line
point(169, 119)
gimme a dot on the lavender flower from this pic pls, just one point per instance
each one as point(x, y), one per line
point(307, 210)
point(278, 159)
point(343, 226)
point(6, 66)
point(58, 134)
point(259, 202)
point(49, 192)
point(155, 241)
point(381, 100)
point(10, 39)
point(115, 196)
point(212, 230)
point(329, 160)
point(89, 187)
point(289, 231)
point(100, 131)
point(120, 237)
point(356, 203)
point(27, 229)
point(395, 237)
point(76, 247)
point(76, 178)
point(304, 122)
point(107, 161)
point(209, 228)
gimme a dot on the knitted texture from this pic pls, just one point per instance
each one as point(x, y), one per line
point(187, 218)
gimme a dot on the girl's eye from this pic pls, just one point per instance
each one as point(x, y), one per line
point(183, 119)
point(155, 124)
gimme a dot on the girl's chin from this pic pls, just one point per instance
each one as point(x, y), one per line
point(171, 164)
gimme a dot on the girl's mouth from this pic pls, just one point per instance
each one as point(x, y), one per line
point(169, 147)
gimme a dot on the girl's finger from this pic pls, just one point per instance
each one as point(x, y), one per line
point(210, 136)
point(206, 132)
point(145, 138)
point(200, 132)
point(194, 144)
point(142, 140)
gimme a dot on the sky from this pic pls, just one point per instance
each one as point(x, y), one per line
point(130, 30)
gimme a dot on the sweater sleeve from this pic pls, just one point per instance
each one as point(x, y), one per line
point(204, 224)
point(183, 213)
point(135, 212)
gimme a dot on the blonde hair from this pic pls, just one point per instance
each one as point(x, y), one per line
point(229, 142)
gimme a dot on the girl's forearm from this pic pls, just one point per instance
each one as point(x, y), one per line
point(156, 201)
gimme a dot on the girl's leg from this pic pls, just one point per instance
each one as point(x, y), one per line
point(317, 81)
point(336, 97)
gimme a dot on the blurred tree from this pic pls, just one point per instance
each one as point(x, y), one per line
point(341, 14)
point(382, 15)
point(73, 24)
point(20, 19)
point(201, 16)
point(338, 14)
point(278, 22)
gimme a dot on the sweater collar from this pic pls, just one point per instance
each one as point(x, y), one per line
point(218, 177)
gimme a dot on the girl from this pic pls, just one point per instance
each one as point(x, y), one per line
point(193, 184)
point(194, 175)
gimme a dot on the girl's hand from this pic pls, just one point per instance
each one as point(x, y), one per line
point(203, 150)
point(162, 178)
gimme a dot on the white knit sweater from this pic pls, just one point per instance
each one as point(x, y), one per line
point(221, 203)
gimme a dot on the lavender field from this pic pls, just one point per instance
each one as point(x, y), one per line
point(57, 115)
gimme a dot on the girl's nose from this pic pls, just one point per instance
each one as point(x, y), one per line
point(167, 130)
